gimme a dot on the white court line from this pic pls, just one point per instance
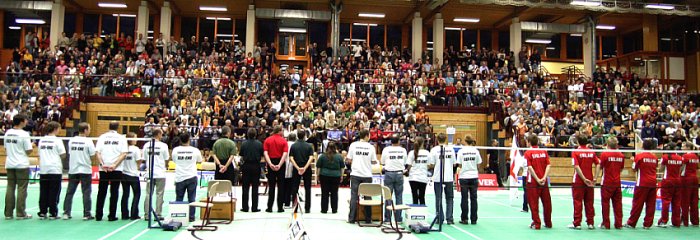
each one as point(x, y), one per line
point(117, 230)
point(448, 236)
point(465, 231)
point(140, 234)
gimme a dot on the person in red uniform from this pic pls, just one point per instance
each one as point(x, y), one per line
point(611, 164)
point(537, 184)
point(582, 188)
point(671, 166)
point(276, 151)
point(689, 202)
point(645, 190)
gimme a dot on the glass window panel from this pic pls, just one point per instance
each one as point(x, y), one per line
point(266, 30)
point(109, 24)
point(240, 31)
point(359, 33)
point(127, 25)
point(469, 38)
point(90, 23)
point(485, 39)
point(393, 37)
point(344, 32)
point(151, 22)
point(206, 29)
point(224, 30)
point(69, 24)
point(574, 47)
point(504, 40)
point(11, 37)
point(318, 33)
point(300, 44)
point(283, 45)
point(609, 47)
point(189, 28)
point(552, 50)
point(376, 36)
point(452, 39)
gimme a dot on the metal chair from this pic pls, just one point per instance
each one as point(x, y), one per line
point(206, 166)
point(207, 205)
point(366, 192)
point(225, 188)
point(393, 226)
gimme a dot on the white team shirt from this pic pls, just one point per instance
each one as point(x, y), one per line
point(81, 151)
point(419, 166)
point(469, 158)
point(110, 145)
point(394, 158)
point(131, 167)
point(50, 150)
point(449, 155)
point(16, 148)
point(160, 156)
point(363, 154)
point(186, 159)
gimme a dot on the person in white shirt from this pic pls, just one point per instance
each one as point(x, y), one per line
point(111, 150)
point(186, 158)
point(51, 154)
point(442, 160)
point(18, 146)
point(361, 154)
point(81, 151)
point(394, 161)
point(469, 159)
point(418, 170)
point(160, 156)
point(131, 180)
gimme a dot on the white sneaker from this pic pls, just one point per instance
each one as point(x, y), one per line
point(66, 216)
point(574, 227)
point(591, 227)
point(662, 225)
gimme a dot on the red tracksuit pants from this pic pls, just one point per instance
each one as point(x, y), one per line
point(535, 193)
point(689, 201)
point(644, 197)
point(583, 196)
point(614, 194)
point(671, 193)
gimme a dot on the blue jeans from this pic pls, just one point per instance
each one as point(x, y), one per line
point(448, 188)
point(394, 181)
point(189, 185)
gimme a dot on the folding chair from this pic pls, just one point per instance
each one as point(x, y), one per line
point(206, 166)
point(393, 226)
point(208, 205)
point(366, 192)
point(224, 187)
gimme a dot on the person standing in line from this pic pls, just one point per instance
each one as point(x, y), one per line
point(301, 156)
point(493, 164)
point(469, 159)
point(224, 149)
point(611, 165)
point(251, 156)
point(672, 166)
point(394, 161)
point(537, 173)
point(583, 183)
point(18, 146)
point(360, 156)
point(276, 152)
point(689, 204)
point(645, 165)
point(160, 155)
point(131, 180)
point(111, 150)
point(51, 155)
point(186, 158)
point(330, 168)
point(418, 170)
point(443, 177)
point(288, 174)
point(81, 151)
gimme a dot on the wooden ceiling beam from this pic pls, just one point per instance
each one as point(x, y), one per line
point(517, 11)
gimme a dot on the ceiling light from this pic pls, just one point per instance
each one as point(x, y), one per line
point(605, 27)
point(112, 5)
point(538, 41)
point(660, 6)
point(15, 27)
point(576, 34)
point(586, 3)
point(467, 20)
point(214, 9)
point(665, 39)
point(219, 18)
point(430, 42)
point(225, 35)
point(354, 40)
point(124, 15)
point(365, 24)
point(454, 28)
point(30, 21)
point(293, 30)
point(551, 48)
point(371, 15)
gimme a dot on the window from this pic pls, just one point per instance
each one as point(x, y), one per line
point(267, 29)
point(504, 40)
point(609, 45)
point(151, 26)
point(127, 25)
point(393, 37)
point(376, 36)
point(109, 24)
point(90, 23)
point(485, 39)
point(206, 29)
point(12, 37)
point(318, 33)
point(189, 28)
point(633, 42)
point(284, 43)
point(300, 44)
point(574, 47)
point(552, 50)
point(69, 24)
point(344, 32)
point(359, 33)
point(240, 31)
point(452, 39)
point(224, 30)
point(428, 51)
point(469, 38)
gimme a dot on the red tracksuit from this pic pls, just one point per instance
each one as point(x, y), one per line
point(689, 202)
point(645, 191)
point(671, 189)
point(583, 194)
point(538, 160)
point(612, 164)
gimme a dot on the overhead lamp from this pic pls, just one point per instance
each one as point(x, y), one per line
point(111, 5)
point(355, 40)
point(605, 27)
point(665, 39)
point(576, 34)
point(226, 35)
point(292, 30)
point(219, 18)
point(467, 20)
point(454, 28)
point(429, 42)
point(538, 41)
point(551, 48)
point(15, 27)
point(659, 6)
point(365, 24)
point(213, 9)
point(371, 15)
point(30, 21)
point(124, 15)
point(586, 3)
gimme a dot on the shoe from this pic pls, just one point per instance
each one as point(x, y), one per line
point(280, 210)
point(533, 227)
point(574, 227)
point(135, 218)
point(54, 217)
point(550, 226)
point(628, 226)
point(324, 212)
point(98, 219)
point(307, 211)
point(464, 222)
point(244, 210)
point(112, 219)
point(336, 211)
point(450, 223)
point(351, 221)
point(28, 216)
point(601, 226)
point(524, 211)
point(255, 210)
point(662, 225)
point(473, 222)
point(591, 227)
point(88, 218)
point(8, 218)
point(66, 216)
point(268, 210)
point(41, 216)
point(647, 228)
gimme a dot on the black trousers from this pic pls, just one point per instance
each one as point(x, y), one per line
point(251, 179)
point(134, 184)
point(418, 192)
point(493, 166)
point(329, 191)
point(525, 206)
point(109, 180)
point(296, 180)
point(287, 192)
point(469, 205)
point(49, 192)
point(275, 181)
